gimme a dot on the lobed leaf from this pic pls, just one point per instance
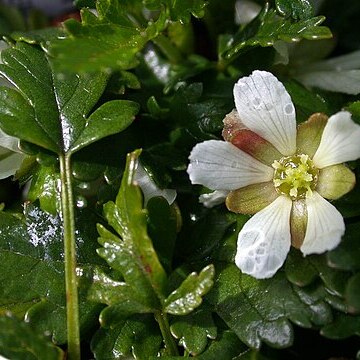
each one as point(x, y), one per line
point(194, 331)
point(261, 310)
point(268, 27)
point(19, 341)
point(53, 110)
point(137, 336)
point(188, 296)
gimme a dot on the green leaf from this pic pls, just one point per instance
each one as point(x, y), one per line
point(133, 255)
point(138, 336)
point(45, 111)
point(162, 228)
point(297, 9)
point(306, 102)
point(194, 330)
point(19, 341)
point(189, 295)
point(180, 10)
point(299, 270)
point(33, 284)
point(342, 327)
point(268, 27)
point(225, 347)
point(260, 310)
point(110, 118)
point(346, 256)
point(352, 294)
point(44, 187)
point(129, 220)
point(118, 294)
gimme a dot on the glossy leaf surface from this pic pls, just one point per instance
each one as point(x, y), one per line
point(44, 109)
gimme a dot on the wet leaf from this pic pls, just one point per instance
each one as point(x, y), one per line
point(194, 331)
point(132, 254)
point(19, 341)
point(297, 9)
point(45, 111)
point(268, 27)
point(188, 296)
point(138, 336)
point(261, 310)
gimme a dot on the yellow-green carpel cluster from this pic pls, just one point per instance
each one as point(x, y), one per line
point(295, 176)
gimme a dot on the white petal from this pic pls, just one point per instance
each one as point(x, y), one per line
point(266, 108)
point(245, 11)
point(340, 141)
point(219, 165)
point(265, 240)
point(345, 81)
point(9, 142)
point(214, 198)
point(149, 188)
point(325, 226)
point(10, 164)
point(349, 61)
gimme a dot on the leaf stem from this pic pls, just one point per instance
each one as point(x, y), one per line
point(169, 341)
point(168, 49)
point(72, 303)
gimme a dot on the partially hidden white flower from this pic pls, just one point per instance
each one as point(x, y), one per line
point(149, 188)
point(337, 74)
point(279, 172)
point(245, 11)
point(10, 156)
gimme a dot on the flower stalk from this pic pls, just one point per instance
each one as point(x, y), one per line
point(68, 217)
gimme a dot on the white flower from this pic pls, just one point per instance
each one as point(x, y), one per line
point(278, 172)
point(338, 74)
point(10, 156)
point(149, 188)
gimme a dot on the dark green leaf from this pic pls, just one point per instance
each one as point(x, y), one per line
point(225, 347)
point(189, 295)
point(342, 327)
point(347, 255)
point(110, 118)
point(50, 109)
point(33, 284)
point(299, 270)
point(260, 310)
point(352, 294)
point(19, 341)
point(305, 101)
point(194, 330)
point(138, 336)
point(297, 9)
point(162, 228)
point(268, 27)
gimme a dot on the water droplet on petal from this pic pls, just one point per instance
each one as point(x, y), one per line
point(289, 109)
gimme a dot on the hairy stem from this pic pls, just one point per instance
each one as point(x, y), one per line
point(169, 341)
point(72, 303)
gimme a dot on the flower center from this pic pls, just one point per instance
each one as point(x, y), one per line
point(295, 176)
